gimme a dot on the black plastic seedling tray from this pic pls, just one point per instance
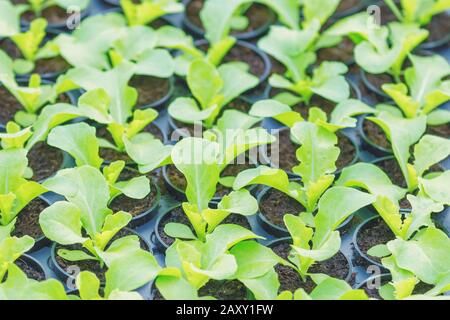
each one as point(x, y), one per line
point(167, 203)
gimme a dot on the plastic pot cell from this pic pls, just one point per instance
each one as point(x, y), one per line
point(339, 266)
point(376, 140)
point(260, 18)
point(153, 92)
point(66, 271)
point(31, 267)
point(368, 234)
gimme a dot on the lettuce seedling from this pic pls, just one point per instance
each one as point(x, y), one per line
point(421, 259)
point(317, 154)
point(85, 218)
point(200, 261)
point(202, 176)
point(32, 97)
point(213, 88)
point(11, 249)
point(404, 133)
point(379, 49)
point(80, 141)
point(138, 46)
point(16, 192)
point(146, 11)
point(295, 49)
point(15, 137)
point(320, 241)
point(420, 12)
point(327, 288)
point(424, 89)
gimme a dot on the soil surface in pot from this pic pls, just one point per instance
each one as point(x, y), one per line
point(177, 215)
point(42, 66)
point(135, 207)
point(91, 265)
point(348, 152)
point(32, 271)
point(374, 233)
point(44, 160)
point(53, 14)
point(439, 27)
point(243, 54)
point(342, 52)
point(282, 153)
point(10, 105)
point(179, 181)
point(258, 15)
point(336, 267)
point(275, 205)
point(27, 223)
point(376, 135)
point(393, 170)
point(442, 131)
point(221, 290)
point(150, 89)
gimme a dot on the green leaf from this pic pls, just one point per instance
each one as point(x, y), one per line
point(240, 202)
point(61, 222)
point(205, 83)
point(197, 159)
point(335, 289)
point(10, 18)
point(379, 251)
point(265, 287)
point(429, 151)
point(175, 288)
point(277, 110)
point(80, 141)
point(253, 259)
point(28, 42)
point(86, 188)
point(88, 285)
point(75, 255)
point(437, 188)
point(180, 231)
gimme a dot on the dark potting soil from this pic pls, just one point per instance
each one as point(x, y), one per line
point(53, 14)
point(439, 27)
point(177, 215)
point(27, 223)
point(30, 270)
point(10, 105)
point(442, 131)
point(343, 52)
point(155, 131)
point(179, 181)
point(91, 265)
point(336, 267)
point(276, 67)
point(243, 54)
point(376, 135)
point(44, 160)
point(158, 23)
point(348, 152)
point(135, 207)
point(346, 5)
point(377, 81)
point(257, 14)
point(150, 89)
point(286, 152)
point(42, 66)
point(393, 170)
point(275, 205)
point(374, 233)
point(224, 290)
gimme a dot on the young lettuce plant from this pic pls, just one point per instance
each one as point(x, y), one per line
point(420, 12)
point(213, 88)
point(295, 50)
point(80, 141)
point(199, 161)
point(145, 12)
point(404, 133)
point(85, 218)
point(38, 6)
point(424, 89)
point(200, 261)
point(320, 241)
point(32, 97)
point(432, 192)
point(379, 49)
point(11, 249)
point(16, 192)
point(421, 259)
